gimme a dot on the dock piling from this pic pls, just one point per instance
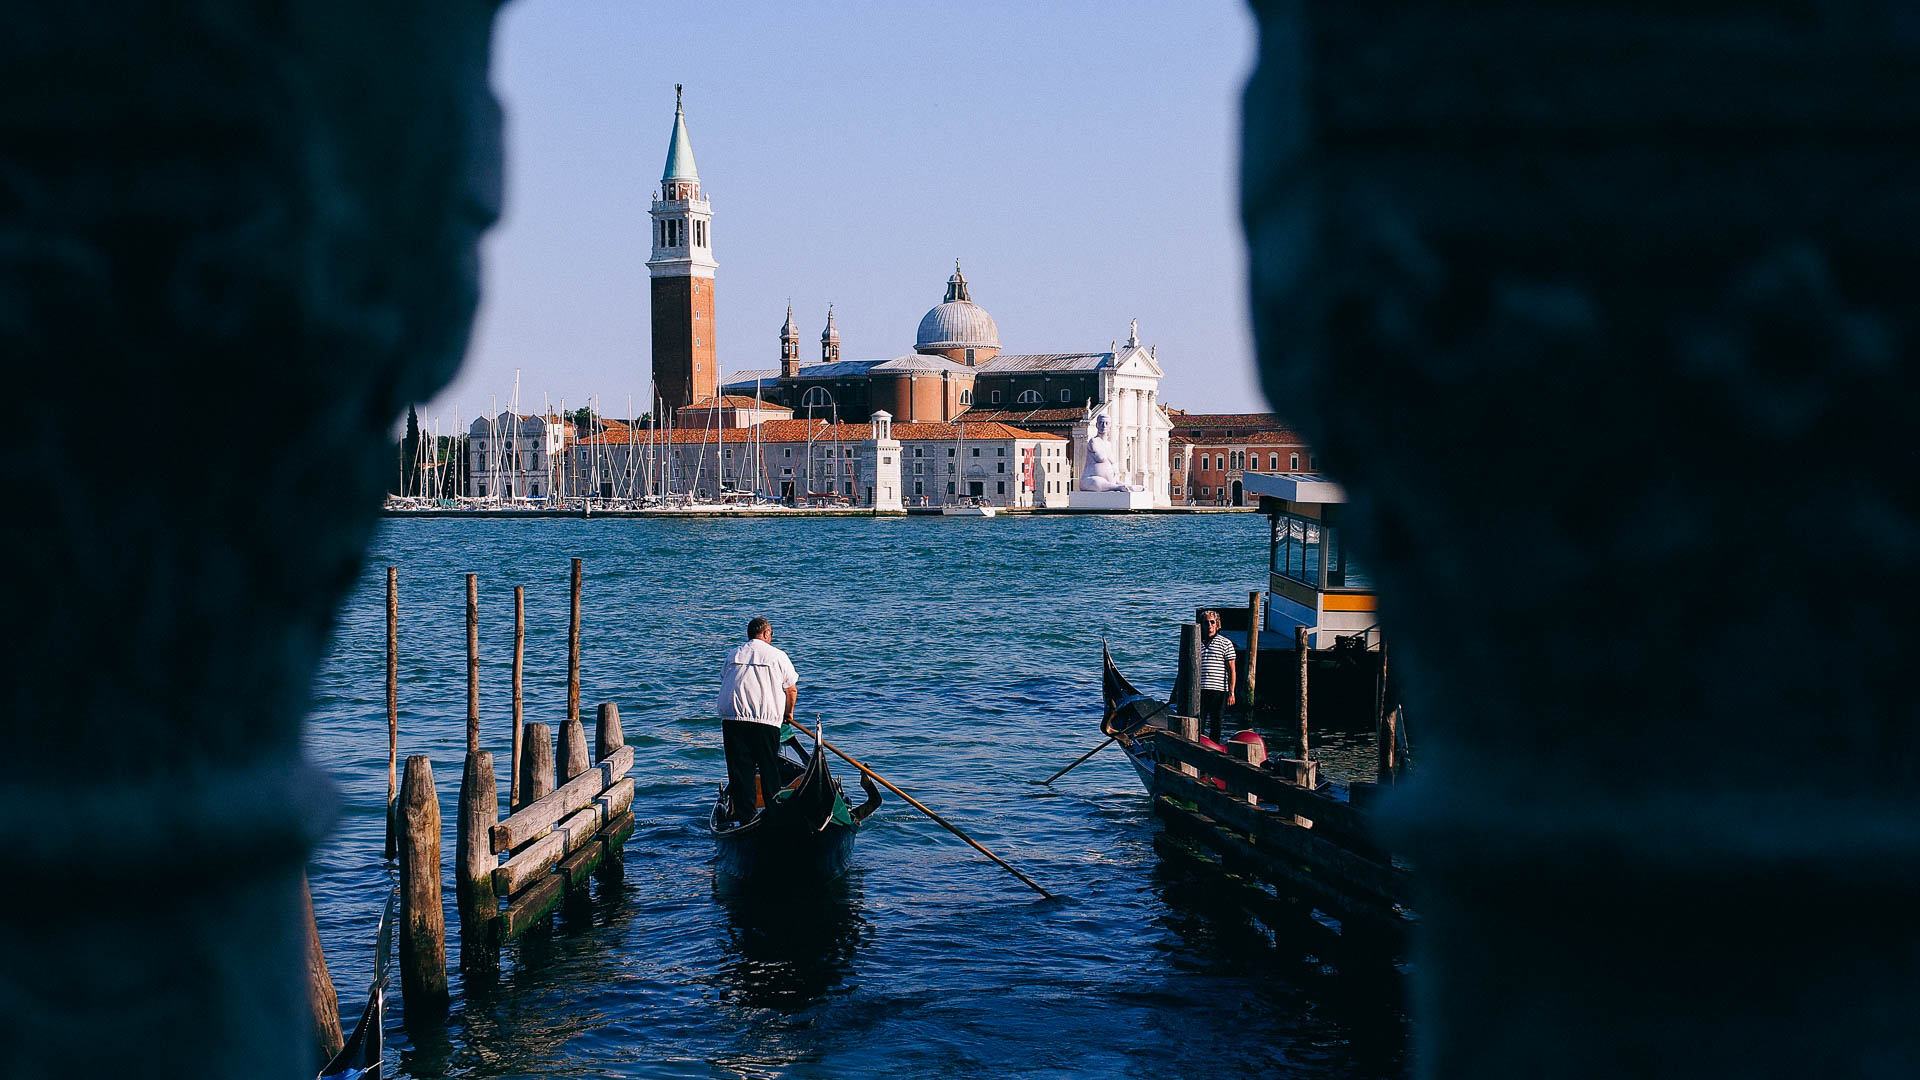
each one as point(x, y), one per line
point(572, 759)
point(536, 766)
point(607, 736)
point(1383, 724)
point(327, 1037)
point(473, 662)
point(393, 702)
point(519, 666)
point(1189, 729)
point(573, 650)
point(1300, 647)
point(1188, 680)
point(475, 862)
point(1253, 646)
point(1254, 754)
point(423, 923)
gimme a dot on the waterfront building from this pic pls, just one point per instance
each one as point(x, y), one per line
point(1212, 453)
point(956, 372)
point(517, 457)
point(681, 274)
point(879, 463)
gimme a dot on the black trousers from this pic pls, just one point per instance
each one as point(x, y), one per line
point(1213, 705)
point(753, 749)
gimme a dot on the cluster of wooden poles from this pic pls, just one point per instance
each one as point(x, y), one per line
point(1187, 686)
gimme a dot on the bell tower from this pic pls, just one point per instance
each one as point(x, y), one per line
point(789, 347)
point(830, 340)
point(685, 368)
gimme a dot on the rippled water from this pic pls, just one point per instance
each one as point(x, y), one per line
point(960, 658)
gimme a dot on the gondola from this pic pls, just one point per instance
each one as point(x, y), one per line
point(1130, 718)
point(806, 833)
point(360, 1058)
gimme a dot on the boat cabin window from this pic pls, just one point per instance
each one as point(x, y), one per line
point(1300, 545)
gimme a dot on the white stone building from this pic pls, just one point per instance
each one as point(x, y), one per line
point(517, 457)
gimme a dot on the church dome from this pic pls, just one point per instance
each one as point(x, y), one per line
point(957, 322)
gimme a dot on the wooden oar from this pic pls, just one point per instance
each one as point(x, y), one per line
point(922, 807)
point(1078, 760)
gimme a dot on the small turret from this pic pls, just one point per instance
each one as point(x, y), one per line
point(789, 346)
point(830, 339)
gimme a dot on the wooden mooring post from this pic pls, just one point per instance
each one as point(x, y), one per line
point(473, 662)
point(572, 758)
point(536, 766)
point(1253, 646)
point(607, 736)
point(1383, 724)
point(393, 704)
point(519, 667)
point(423, 923)
point(1188, 679)
point(1305, 654)
point(327, 1039)
point(573, 649)
point(474, 862)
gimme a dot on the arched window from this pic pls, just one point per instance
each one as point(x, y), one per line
point(1293, 462)
point(966, 397)
point(817, 397)
point(1028, 397)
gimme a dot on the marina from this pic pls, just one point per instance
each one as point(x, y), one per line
point(921, 954)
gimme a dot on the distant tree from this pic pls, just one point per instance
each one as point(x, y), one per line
point(410, 455)
point(583, 420)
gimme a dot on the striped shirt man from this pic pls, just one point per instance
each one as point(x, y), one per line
point(1216, 663)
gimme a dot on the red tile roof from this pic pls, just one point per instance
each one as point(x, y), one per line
point(1022, 416)
point(794, 431)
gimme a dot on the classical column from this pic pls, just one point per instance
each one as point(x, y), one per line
point(235, 210)
point(1650, 269)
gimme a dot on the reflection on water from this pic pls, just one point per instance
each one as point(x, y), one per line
point(788, 943)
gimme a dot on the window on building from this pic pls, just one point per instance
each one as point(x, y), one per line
point(1066, 396)
point(787, 453)
point(916, 451)
point(1273, 462)
point(1001, 452)
point(949, 487)
point(949, 451)
point(1001, 467)
point(1293, 462)
point(916, 468)
point(1000, 488)
point(996, 397)
point(969, 357)
point(1176, 461)
point(949, 468)
point(976, 451)
point(1028, 397)
point(966, 397)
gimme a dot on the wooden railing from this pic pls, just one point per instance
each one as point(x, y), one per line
point(1269, 821)
point(553, 843)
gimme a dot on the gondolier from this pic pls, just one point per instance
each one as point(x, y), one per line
point(758, 690)
point(1217, 674)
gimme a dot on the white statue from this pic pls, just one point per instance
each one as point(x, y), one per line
point(1102, 471)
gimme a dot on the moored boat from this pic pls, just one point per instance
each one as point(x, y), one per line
point(806, 832)
point(360, 1057)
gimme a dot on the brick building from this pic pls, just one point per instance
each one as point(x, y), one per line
point(1211, 451)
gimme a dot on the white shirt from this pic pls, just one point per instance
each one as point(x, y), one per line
point(754, 684)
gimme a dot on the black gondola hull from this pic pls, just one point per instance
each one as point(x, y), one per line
point(786, 848)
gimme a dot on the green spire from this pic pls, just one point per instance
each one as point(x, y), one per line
point(680, 149)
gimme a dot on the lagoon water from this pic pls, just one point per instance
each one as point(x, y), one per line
point(959, 657)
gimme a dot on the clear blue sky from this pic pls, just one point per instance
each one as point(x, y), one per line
point(1078, 158)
